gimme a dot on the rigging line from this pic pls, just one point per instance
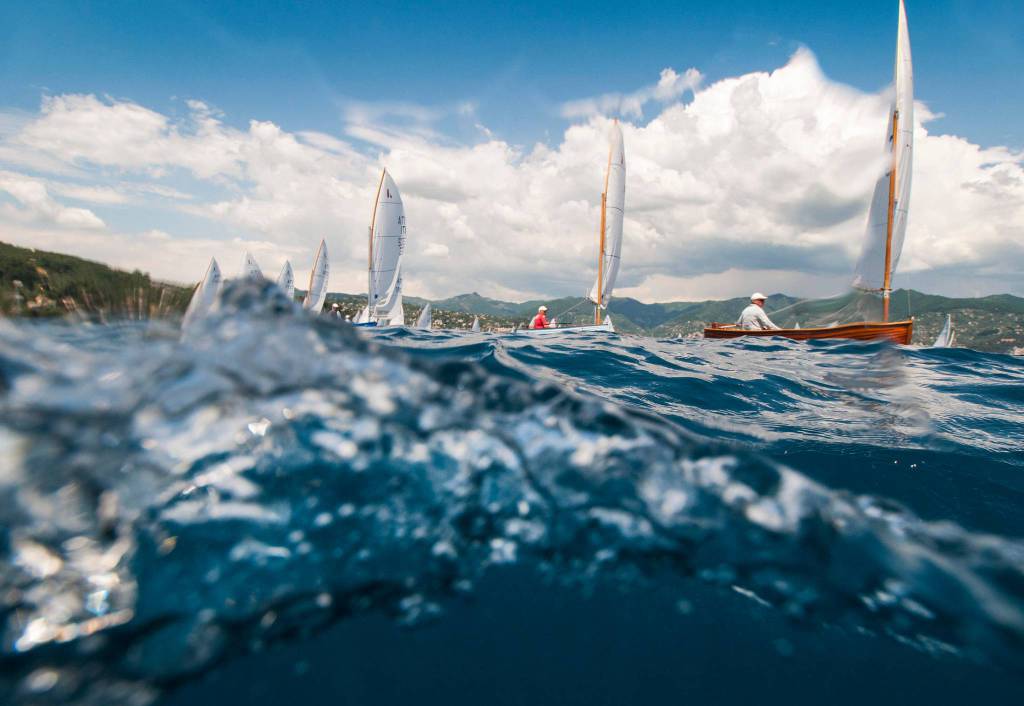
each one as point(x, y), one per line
point(574, 306)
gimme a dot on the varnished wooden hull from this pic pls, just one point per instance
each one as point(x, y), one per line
point(895, 331)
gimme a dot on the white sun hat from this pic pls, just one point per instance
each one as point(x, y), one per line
point(757, 295)
point(542, 308)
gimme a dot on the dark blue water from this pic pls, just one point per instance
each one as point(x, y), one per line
point(281, 509)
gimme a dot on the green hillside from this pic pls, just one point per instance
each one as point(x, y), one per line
point(39, 283)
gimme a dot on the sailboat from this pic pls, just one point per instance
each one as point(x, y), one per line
point(386, 244)
point(609, 252)
point(250, 270)
point(887, 221)
point(424, 320)
point(205, 294)
point(947, 336)
point(475, 328)
point(286, 280)
point(319, 276)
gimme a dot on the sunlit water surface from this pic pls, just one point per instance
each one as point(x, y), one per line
point(281, 509)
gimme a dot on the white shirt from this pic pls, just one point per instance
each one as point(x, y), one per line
point(753, 318)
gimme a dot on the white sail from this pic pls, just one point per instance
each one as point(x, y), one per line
point(393, 317)
point(286, 280)
point(250, 270)
point(363, 316)
point(425, 319)
point(319, 276)
point(947, 336)
point(205, 295)
point(387, 242)
point(870, 273)
point(614, 204)
point(475, 328)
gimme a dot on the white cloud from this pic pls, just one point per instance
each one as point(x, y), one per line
point(34, 203)
point(670, 87)
point(759, 181)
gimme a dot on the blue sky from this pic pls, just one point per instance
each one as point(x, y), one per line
point(155, 135)
point(298, 64)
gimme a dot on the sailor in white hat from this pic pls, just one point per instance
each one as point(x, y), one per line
point(753, 317)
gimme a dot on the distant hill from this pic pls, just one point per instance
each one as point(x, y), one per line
point(39, 283)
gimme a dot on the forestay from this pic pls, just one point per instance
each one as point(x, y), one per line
point(387, 242)
point(872, 273)
point(614, 203)
point(286, 280)
point(316, 293)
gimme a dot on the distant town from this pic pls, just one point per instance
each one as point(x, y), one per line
point(41, 284)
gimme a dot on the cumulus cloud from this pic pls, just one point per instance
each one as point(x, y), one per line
point(761, 179)
point(34, 203)
point(670, 87)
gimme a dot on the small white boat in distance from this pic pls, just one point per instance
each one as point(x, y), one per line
point(319, 276)
point(250, 270)
point(475, 328)
point(205, 295)
point(947, 336)
point(286, 280)
point(424, 320)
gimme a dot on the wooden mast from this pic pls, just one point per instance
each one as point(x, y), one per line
point(600, 263)
point(373, 222)
point(887, 274)
point(600, 250)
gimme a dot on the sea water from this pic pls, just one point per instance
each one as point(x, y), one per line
point(278, 508)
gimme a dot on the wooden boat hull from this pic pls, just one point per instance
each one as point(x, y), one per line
point(895, 331)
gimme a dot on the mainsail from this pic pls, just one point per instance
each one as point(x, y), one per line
point(286, 280)
point(613, 203)
point(205, 295)
point(387, 242)
point(887, 219)
point(475, 328)
point(947, 336)
point(316, 293)
point(363, 316)
point(250, 270)
point(425, 319)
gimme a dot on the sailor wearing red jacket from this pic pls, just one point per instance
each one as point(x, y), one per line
point(541, 319)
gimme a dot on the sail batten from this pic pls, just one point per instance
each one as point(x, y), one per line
point(887, 218)
point(613, 204)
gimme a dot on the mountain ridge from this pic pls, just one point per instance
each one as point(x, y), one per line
point(41, 283)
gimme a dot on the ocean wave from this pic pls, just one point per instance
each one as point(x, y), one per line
point(168, 504)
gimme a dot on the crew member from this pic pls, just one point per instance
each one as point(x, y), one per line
point(541, 319)
point(753, 317)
